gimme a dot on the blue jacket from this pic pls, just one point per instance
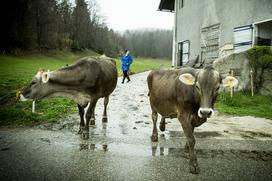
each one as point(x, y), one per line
point(126, 61)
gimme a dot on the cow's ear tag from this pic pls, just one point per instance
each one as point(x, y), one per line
point(187, 79)
point(230, 82)
point(45, 77)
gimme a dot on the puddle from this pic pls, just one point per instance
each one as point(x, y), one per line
point(157, 150)
point(203, 134)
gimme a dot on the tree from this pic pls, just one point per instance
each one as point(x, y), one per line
point(149, 43)
point(81, 24)
point(65, 25)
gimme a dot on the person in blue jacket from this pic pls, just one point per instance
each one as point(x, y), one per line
point(126, 62)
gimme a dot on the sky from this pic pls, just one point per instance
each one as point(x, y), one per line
point(122, 15)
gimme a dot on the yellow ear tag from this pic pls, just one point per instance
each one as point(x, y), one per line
point(17, 94)
point(230, 82)
point(227, 84)
point(187, 79)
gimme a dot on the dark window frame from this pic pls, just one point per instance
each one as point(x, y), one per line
point(181, 53)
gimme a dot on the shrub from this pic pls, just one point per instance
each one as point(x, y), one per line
point(260, 59)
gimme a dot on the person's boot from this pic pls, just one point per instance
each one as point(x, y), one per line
point(123, 80)
point(128, 79)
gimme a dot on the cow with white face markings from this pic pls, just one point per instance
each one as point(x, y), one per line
point(187, 94)
point(89, 79)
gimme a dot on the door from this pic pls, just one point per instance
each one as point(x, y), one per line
point(184, 50)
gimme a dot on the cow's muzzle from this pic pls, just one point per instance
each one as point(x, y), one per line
point(20, 96)
point(205, 112)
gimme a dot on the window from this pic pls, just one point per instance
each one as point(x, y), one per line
point(183, 51)
point(242, 38)
point(181, 3)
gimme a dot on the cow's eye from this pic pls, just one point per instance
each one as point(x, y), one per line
point(33, 82)
point(217, 89)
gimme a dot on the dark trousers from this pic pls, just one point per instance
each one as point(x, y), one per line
point(125, 75)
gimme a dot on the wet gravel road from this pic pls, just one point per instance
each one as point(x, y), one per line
point(228, 148)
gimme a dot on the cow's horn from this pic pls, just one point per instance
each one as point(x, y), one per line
point(187, 79)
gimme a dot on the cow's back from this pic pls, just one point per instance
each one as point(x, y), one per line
point(95, 75)
point(168, 94)
point(107, 77)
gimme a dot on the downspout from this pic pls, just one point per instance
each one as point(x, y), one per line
point(174, 60)
point(254, 31)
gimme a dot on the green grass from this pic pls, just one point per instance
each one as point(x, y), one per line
point(243, 104)
point(48, 110)
point(17, 71)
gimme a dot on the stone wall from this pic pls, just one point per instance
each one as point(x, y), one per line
point(239, 63)
point(267, 84)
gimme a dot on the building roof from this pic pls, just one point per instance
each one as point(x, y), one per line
point(167, 5)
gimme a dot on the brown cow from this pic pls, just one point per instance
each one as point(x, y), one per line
point(84, 82)
point(187, 94)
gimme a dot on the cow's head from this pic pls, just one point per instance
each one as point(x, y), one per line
point(206, 84)
point(37, 89)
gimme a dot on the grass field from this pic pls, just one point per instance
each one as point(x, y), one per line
point(17, 71)
point(243, 104)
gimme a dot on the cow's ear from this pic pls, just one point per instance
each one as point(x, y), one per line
point(45, 77)
point(230, 82)
point(187, 79)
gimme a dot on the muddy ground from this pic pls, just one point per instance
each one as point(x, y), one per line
point(228, 148)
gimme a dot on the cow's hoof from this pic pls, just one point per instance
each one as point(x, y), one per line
point(92, 122)
point(85, 135)
point(162, 127)
point(104, 120)
point(194, 169)
point(154, 138)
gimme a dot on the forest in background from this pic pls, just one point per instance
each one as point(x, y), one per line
point(44, 25)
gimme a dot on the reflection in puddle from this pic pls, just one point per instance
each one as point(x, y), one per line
point(161, 150)
point(202, 134)
point(93, 147)
point(164, 151)
point(104, 129)
point(124, 128)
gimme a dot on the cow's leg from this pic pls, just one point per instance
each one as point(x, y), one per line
point(154, 136)
point(186, 125)
point(88, 113)
point(81, 115)
point(162, 124)
point(106, 102)
point(186, 147)
point(195, 122)
point(92, 122)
